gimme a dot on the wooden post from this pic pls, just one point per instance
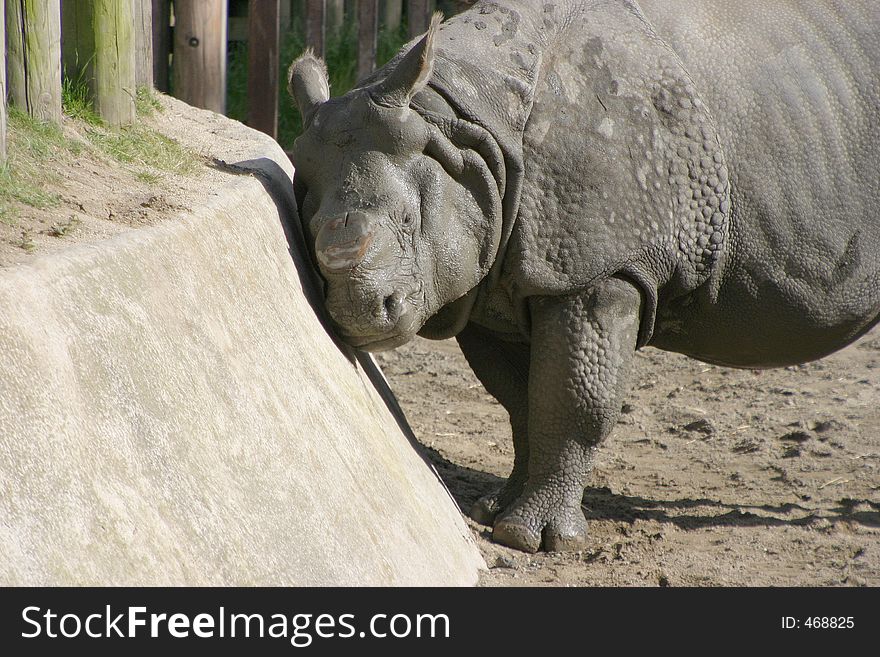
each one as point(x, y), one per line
point(114, 83)
point(419, 16)
point(99, 48)
point(2, 85)
point(316, 16)
point(17, 89)
point(368, 22)
point(335, 15)
point(453, 7)
point(286, 16)
point(161, 43)
point(263, 44)
point(78, 41)
point(143, 43)
point(199, 64)
point(392, 13)
point(33, 31)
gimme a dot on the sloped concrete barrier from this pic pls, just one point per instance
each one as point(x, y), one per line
point(172, 412)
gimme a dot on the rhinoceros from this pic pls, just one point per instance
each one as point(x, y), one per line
point(559, 184)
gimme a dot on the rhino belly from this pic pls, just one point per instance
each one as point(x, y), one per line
point(757, 322)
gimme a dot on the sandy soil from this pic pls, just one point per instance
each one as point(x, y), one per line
point(713, 476)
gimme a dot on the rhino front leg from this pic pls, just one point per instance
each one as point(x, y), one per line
point(503, 369)
point(581, 353)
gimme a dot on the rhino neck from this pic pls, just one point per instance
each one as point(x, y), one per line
point(483, 86)
point(479, 143)
point(451, 319)
point(470, 154)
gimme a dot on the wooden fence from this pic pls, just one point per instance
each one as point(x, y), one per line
point(116, 46)
point(261, 28)
point(202, 29)
point(100, 45)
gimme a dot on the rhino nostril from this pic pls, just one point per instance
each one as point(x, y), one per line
point(394, 305)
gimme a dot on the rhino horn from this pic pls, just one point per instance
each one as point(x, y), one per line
point(411, 73)
point(308, 84)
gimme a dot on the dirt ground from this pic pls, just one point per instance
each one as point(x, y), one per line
point(713, 476)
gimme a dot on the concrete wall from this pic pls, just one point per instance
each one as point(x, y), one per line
point(172, 411)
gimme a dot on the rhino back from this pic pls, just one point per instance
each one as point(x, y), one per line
point(794, 89)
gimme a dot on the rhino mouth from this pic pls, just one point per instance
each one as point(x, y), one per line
point(378, 343)
point(402, 332)
point(360, 331)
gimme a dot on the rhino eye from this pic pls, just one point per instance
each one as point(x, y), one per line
point(407, 220)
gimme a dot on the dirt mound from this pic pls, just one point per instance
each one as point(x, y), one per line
point(84, 182)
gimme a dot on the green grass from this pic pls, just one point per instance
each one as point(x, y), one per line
point(62, 228)
point(35, 138)
point(22, 179)
point(75, 100)
point(137, 144)
point(27, 241)
point(7, 216)
point(141, 146)
point(146, 103)
point(147, 177)
point(77, 103)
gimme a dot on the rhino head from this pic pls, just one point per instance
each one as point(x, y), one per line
point(398, 215)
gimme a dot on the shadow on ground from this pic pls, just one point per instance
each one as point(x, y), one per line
point(467, 485)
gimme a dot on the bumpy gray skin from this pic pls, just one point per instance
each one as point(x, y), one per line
point(560, 184)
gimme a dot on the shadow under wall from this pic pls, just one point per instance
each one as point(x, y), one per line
point(280, 189)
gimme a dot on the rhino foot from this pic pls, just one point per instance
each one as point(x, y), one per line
point(564, 530)
point(486, 509)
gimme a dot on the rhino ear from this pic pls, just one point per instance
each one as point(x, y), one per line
point(411, 73)
point(307, 82)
